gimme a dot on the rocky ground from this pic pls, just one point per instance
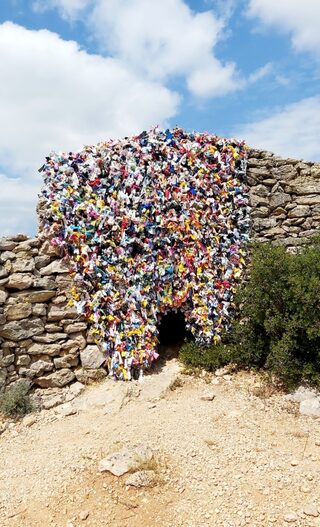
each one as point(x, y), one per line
point(221, 451)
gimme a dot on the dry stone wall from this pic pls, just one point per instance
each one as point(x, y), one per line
point(41, 336)
point(44, 340)
point(285, 199)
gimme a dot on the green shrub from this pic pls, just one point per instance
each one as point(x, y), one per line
point(16, 401)
point(278, 325)
point(208, 358)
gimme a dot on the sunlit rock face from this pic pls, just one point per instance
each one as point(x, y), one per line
point(150, 224)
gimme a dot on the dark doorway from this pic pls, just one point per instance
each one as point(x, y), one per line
point(172, 333)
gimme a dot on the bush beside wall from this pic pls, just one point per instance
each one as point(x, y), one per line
point(279, 324)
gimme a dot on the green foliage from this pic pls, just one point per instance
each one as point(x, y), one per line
point(279, 318)
point(209, 358)
point(16, 401)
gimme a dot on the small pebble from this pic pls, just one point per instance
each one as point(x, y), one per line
point(29, 420)
point(290, 517)
point(305, 489)
point(208, 397)
point(311, 510)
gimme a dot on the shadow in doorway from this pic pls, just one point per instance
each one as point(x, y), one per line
point(172, 334)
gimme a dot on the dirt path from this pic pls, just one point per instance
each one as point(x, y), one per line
point(234, 461)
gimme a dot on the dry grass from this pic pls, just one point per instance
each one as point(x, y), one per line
point(176, 383)
point(266, 387)
point(211, 444)
point(146, 464)
point(16, 402)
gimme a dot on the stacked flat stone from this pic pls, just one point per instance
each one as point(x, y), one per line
point(41, 337)
point(285, 199)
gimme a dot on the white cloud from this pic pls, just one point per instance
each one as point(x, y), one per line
point(260, 73)
point(159, 40)
point(53, 95)
point(203, 81)
point(163, 39)
point(166, 39)
point(18, 200)
point(300, 19)
point(225, 8)
point(292, 131)
point(68, 9)
point(211, 78)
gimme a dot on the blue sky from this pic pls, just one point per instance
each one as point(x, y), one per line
point(80, 71)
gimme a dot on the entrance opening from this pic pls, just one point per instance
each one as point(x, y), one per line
point(172, 333)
